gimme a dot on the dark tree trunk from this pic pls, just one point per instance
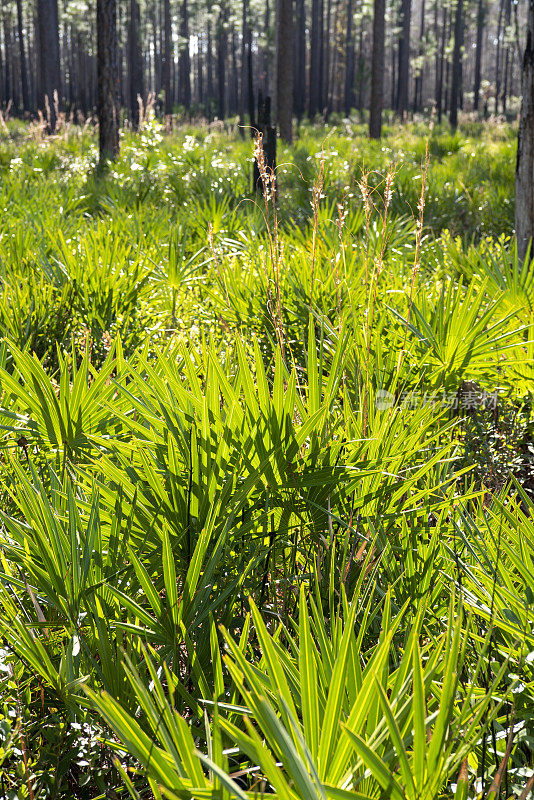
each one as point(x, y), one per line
point(209, 56)
point(221, 62)
point(8, 72)
point(394, 62)
point(266, 52)
point(349, 62)
point(82, 76)
point(50, 72)
point(244, 64)
point(268, 132)
point(234, 82)
point(284, 68)
point(167, 58)
point(326, 55)
point(252, 117)
point(361, 69)
point(507, 20)
point(439, 66)
point(457, 63)
point(481, 18)
point(122, 86)
point(498, 58)
point(377, 69)
point(332, 98)
point(185, 63)
point(300, 75)
point(136, 64)
point(447, 67)
point(23, 64)
point(155, 49)
point(315, 56)
point(2, 96)
point(321, 55)
point(404, 58)
point(524, 176)
point(108, 79)
point(418, 92)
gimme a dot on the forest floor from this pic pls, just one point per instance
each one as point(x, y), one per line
point(267, 467)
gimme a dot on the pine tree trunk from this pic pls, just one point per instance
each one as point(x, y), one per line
point(8, 73)
point(221, 62)
point(135, 64)
point(418, 93)
point(349, 62)
point(300, 76)
point(209, 57)
point(404, 58)
point(498, 59)
point(524, 175)
point(315, 55)
point(507, 20)
point(377, 69)
point(481, 18)
point(251, 109)
point(284, 68)
point(185, 62)
point(22, 55)
point(50, 73)
point(167, 57)
point(326, 55)
point(457, 63)
point(108, 79)
point(243, 83)
point(321, 56)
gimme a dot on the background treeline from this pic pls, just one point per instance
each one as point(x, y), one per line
point(219, 55)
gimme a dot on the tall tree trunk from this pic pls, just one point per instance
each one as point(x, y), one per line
point(394, 62)
point(209, 57)
point(524, 174)
point(244, 83)
point(418, 93)
point(135, 63)
point(349, 61)
point(446, 85)
point(266, 76)
point(82, 76)
point(50, 72)
point(251, 109)
point(315, 56)
point(234, 82)
point(284, 68)
point(361, 69)
point(167, 57)
point(300, 76)
point(23, 65)
point(8, 73)
point(108, 79)
point(155, 49)
point(326, 55)
point(185, 62)
point(377, 69)
point(481, 19)
point(457, 63)
point(321, 55)
point(332, 99)
point(404, 58)
point(221, 61)
point(498, 58)
point(507, 20)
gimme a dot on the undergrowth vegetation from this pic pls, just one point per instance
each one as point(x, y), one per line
point(266, 468)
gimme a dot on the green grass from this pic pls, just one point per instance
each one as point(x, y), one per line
point(265, 523)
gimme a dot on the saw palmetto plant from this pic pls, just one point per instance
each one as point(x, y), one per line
point(243, 549)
